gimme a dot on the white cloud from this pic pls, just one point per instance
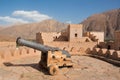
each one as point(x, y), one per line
point(21, 16)
point(12, 20)
point(31, 15)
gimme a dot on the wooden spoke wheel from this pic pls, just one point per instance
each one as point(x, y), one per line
point(53, 69)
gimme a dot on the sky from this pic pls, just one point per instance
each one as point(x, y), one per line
point(67, 11)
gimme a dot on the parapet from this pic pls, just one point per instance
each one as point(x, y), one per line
point(7, 54)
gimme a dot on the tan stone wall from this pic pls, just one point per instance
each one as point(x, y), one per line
point(75, 32)
point(50, 37)
point(39, 38)
point(110, 54)
point(95, 35)
point(7, 44)
point(112, 44)
point(12, 53)
point(117, 40)
point(71, 39)
point(107, 45)
point(76, 48)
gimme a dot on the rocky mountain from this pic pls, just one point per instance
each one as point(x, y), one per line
point(1, 28)
point(107, 21)
point(29, 30)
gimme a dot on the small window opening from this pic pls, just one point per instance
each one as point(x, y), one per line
point(75, 34)
point(109, 47)
point(119, 48)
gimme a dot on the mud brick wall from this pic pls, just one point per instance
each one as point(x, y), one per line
point(75, 31)
point(7, 44)
point(49, 37)
point(111, 54)
point(12, 53)
point(95, 50)
point(116, 55)
point(117, 40)
point(95, 35)
point(102, 52)
point(74, 48)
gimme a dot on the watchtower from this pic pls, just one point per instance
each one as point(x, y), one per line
point(75, 32)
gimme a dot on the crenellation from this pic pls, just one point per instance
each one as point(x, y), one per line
point(7, 54)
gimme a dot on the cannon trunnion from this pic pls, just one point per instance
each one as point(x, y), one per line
point(51, 58)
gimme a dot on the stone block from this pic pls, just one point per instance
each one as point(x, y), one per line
point(95, 51)
point(100, 52)
point(109, 53)
point(88, 51)
point(104, 52)
point(116, 55)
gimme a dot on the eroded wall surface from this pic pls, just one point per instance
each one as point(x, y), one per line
point(117, 40)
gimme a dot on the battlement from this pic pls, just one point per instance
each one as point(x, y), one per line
point(12, 53)
point(106, 53)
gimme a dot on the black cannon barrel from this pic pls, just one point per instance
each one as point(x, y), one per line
point(38, 46)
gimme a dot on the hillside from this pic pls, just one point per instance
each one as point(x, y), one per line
point(6, 38)
point(1, 28)
point(29, 30)
point(108, 22)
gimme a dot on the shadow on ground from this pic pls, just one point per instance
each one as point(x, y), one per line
point(33, 65)
point(108, 60)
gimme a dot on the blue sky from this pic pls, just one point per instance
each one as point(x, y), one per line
point(74, 11)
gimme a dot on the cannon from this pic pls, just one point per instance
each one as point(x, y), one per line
point(52, 58)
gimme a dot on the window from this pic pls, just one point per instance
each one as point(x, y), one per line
point(109, 47)
point(75, 34)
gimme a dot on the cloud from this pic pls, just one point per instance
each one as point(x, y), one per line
point(21, 16)
point(31, 15)
point(12, 20)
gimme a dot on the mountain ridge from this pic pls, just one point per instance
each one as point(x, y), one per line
point(29, 30)
point(107, 22)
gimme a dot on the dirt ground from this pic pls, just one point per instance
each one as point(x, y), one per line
point(85, 68)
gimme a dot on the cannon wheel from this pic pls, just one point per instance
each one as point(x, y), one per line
point(53, 69)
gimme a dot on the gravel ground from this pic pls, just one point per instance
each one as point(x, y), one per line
point(85, 68)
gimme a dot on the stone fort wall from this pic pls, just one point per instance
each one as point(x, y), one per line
point(117, 40)
point(74, 48)
point(7, 44)
point(12, 53)
point(107, 53)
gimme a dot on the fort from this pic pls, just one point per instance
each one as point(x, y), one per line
point(18, 60)
point(72, 39)
point(112, 44)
